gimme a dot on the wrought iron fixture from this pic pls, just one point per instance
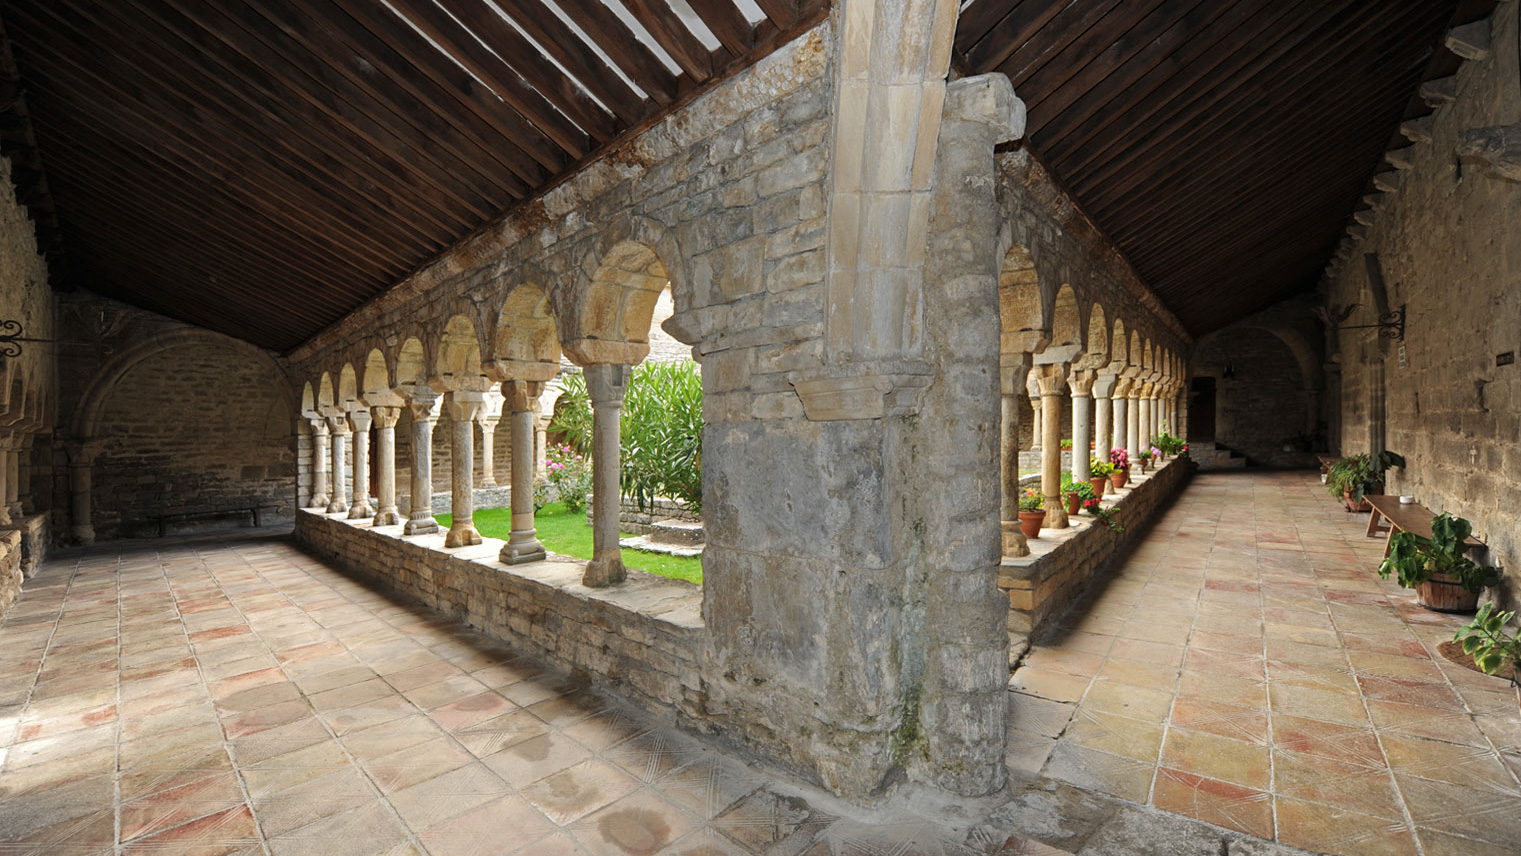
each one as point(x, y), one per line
point(1391, 325)
point(11, 339)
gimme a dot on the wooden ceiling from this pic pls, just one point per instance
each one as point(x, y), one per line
point(263, 167)
point(1222, 144)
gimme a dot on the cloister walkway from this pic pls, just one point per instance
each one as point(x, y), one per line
point(1242, 666)
point(1245, 666)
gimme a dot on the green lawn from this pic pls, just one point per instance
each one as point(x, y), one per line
point(567, 534)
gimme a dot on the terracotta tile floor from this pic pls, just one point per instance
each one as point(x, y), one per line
point(1246, 667)
point(239, 697)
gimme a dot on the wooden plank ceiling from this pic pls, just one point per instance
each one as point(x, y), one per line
point(1222, 144)
point(263, 167)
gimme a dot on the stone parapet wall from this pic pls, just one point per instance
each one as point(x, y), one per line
point(644, 637)
point(1043, 585)
point(35, 535)
point(10, 569)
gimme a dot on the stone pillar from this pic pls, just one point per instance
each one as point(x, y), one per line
point(1081, 383)
point(1037, 431)
point(386, 418)
point(339, 426)
point(1103, 416)
point(488, 417)
point(1121, 401)
point(422, 405)
point(360, 508)
point(81, 469)
point(321, 489)
point(1013, 386)
point(605, 383)
point(1133, 420)
point(24, 476)
point(13, 478)
point(1143, 436)
point(523, 403)
point(6, 518)
point(1051, 379)
point(463, 407)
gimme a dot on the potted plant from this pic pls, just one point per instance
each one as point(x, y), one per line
point(1170, 444)
point(1067, 445)
point(1356, 476)
point(1120, 460)
point(1492, 645)
point(1032, 511)
point(1077, 493)
point(1445, 579)
point(1101, 471)
point(1143, 459)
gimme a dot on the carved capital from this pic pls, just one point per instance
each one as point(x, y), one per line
point(386, 417)
point(338, 423)
point(1081, 382)
point(606, 383)
point(465, 404)
point(319, 426)
point(422, 404)
point(521, 395)
point(1122, 388)
point(1051, 378)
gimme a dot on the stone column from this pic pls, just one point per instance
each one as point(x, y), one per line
point(24, 476)
point(338, 424)
point(386, 418)
point(463, 407)
point(1103, 416)
point(13, 478)
point(488, 417)
point(360, 420)
point(1121, 401)
point(1051, 379)
point(321, 490)
point(1133, 420)
point(81, 470)
point(605, 383)
point(523, 403)
point(1013, 387)
point(1038, 431)
point(6, 518)
point(422, 405)
point(1081, 383)
point(1143, 437)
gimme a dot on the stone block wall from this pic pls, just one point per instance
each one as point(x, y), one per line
point(1263, 404)
point(644, 638)
point(1445, 244)
point(1044, 585)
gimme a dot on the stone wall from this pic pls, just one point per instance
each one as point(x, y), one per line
point(1262, 404)
point(1446, 243)
point(644, 637)
point(170, 419)
point(1064, 563)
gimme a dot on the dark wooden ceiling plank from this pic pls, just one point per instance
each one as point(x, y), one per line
point(387, 30)
point(306, 132)
point(1257, 109)
point(725, 21)
point(296, 73)
point(781, 13)
point(1194, 106)
point(623, 47)
point(522, 56)
point(503, 79)
point(1089, 113)
point(93, 166)
point(208, 140)
point(1012, 20)
point(370, 67)
point(1097, 50)
point(674, 37)
point(1117, 67)
point(1017, 59)
point(570, 51)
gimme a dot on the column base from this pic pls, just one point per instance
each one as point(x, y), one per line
point(387, 517)
point(1015, 545)
point(420, 526)
point(83, 534)
point(1056, 514)
point(320, 501)
point(337, 506)
point(360, 510)
point(522, 548)
point(462, 535)
point(605, 570)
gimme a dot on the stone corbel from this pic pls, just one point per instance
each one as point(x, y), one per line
point(1496, 147)
point(845, 392)
point(987, 99)
point(588, 352)
point(502, 371)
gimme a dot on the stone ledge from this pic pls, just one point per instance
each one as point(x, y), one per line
point(644, 637)
point(1043, 584)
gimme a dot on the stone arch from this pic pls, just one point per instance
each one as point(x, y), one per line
point(377, 374)
point(1020, 304)
point(86, 421)
point(411, 363)
point(458, 356)
point(1135, 349)
point(348, 385)
point(616, 307)
point(1096, 344)
point(326, 396)
point(1119, 352)
point(308, 401)
point(525, 330)
point(1066, 319)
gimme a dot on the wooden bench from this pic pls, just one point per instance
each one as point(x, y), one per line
point(1326, 462)
point(1390, 516)
point(255, 511)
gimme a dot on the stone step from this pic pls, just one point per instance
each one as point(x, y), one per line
point(687, 533)
point(1210, 456)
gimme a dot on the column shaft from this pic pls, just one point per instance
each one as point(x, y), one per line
point(1014, 542)
point(1103, 426)
point(463, 407)
point(1082, 407)
point(488, 453)
point(360, 507)
point(340, 502)
point(523, 544)
point(1051, 380)
point(606, 384)
point(321, 494)
point(1133, 424)
point(422, 407)
point(385, 465)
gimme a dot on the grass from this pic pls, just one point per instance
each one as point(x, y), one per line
point(566, 533)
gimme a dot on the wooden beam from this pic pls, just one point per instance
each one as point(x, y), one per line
point(673, 36)
point(625, 49)
point(723, 18)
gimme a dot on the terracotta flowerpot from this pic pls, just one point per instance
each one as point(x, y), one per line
point(1074, 503)
point(1443, 593)
point(1346, 499)
point(1030, 522)
point(1141, 468)
point(1119, 478)
point(1098, 483)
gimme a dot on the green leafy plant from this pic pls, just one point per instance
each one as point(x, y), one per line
point(1107, 515)
point(1030, 499)
point(1100, 468)
point(1144, 456)
point(1414, 559)
point(1358, 475)
point(569, 474)
point(1066, 444)
point(1492, 645)
point(572, 420)
point(1169, 444)
point(1083, 490)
